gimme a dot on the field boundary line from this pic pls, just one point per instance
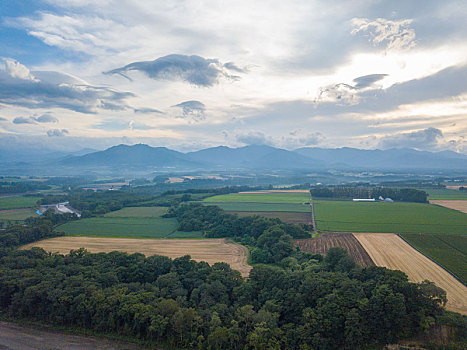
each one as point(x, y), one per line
point(437, 263)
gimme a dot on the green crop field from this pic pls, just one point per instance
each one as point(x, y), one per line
point(287, 207)
point(16, 214)
point(261, 198)
point(121, 227)
point(138, 212)
point(444, 193)
point(396, 217)
point(448, 250)
point(17, 202)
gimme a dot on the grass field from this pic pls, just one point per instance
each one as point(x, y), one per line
point(261, 197)
point(290, 217)
point(448, 250)
point(16, 214)
point(389, 250)
point(257, 207)
point(121, 227)
point(444, 193)
point(138, 212)
point(209, 250)
point(388, 217)
point(17, 202)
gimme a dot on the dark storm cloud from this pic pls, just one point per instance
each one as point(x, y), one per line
point(23, 120)
point(367, 80)
point(195, 70)
point(192, 109)
point(422, 139)
point(55, 90)
point(57, 132)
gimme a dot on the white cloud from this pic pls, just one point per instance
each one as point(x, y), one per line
point(57, 132)
point(395, 35)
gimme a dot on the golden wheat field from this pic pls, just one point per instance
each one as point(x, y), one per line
point(209, 250)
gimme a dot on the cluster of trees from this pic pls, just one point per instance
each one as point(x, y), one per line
point(34, 229)
point(7, 187)
point(184, 304)
point(399, 194)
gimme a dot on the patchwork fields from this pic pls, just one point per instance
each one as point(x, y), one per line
point(16, 214)
point(289, 206)
point(397, 217)
point(444, 193)
point(460, 205)
point(389, 250)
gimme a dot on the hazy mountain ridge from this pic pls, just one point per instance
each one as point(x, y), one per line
point(266, 157)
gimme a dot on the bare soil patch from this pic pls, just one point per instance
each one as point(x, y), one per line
point(321, 245)
point(391, 251)
point(209, 250)
point(460, 205)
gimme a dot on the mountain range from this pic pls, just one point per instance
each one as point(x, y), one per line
point(262, 157)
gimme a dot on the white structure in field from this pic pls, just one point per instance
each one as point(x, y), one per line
point(364, 200)
point(59, 208)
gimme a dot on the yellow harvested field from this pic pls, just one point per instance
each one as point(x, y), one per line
point(209, 250)
point(460, 205)
point(391, 251)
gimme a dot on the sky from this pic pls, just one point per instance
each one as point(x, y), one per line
point(188, 75)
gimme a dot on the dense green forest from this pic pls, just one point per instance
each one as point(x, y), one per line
point(399, 194)
point(9, 187)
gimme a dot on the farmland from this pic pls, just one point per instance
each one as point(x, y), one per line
point(16, 214)
point(390, 251)
point(448, 250)
point(445, 193)
point(324, 242)
point(17, 202)
point(258, 207)
point(209, 250)
point(138, 212)
point(290, 217)
point(262, 197)
point(397, 217)
point(460, 205)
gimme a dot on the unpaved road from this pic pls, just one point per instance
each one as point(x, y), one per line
point(460, 205)
point(391, 251)
point(17, 337)
point(209, 250)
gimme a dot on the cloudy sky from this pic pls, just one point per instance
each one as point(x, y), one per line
point(194, 74)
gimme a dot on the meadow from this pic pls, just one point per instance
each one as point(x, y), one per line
point(130, 222)
point(262, 197)
point(289, 217)
point(444, 193)
point(398, 217)
point(448, 250)
point(262, 207)
point(17, 202)
point(16, 214)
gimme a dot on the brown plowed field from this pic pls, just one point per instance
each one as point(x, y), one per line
point(321, 245)
point(391, 251)
point(209, 250)
point(285, 216)
point(460, 205)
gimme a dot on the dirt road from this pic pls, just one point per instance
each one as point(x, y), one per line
point(391, 251)
point(15, 337)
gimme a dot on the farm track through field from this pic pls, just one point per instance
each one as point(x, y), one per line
point(391, 251)
point(460, 205)
point(209, 250)
point(321, 245)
